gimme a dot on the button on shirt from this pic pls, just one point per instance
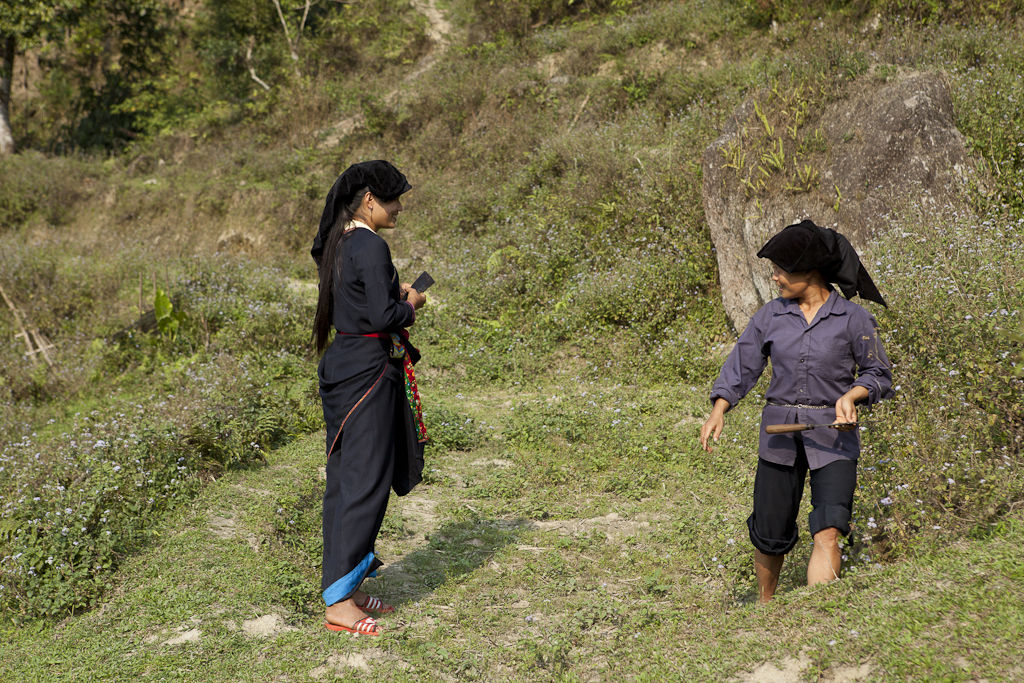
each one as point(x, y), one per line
point(813, 365)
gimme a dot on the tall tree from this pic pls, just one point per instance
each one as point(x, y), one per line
point(22, 21)
point(6, 74)
point(99, 53)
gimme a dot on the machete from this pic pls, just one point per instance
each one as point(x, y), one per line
point(803, 427)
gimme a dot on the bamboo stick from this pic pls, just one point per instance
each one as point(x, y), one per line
point(43, 343)
point(20, 324)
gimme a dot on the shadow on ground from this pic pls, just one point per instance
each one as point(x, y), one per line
point(451, 552)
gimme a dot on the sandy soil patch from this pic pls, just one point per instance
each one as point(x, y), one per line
point(340, 666)
point(848, 674)
point(496, 462)
point(612, 524)
point(266, 626)
point(439, 28)
point(224, 527)
point(791, 669)
point(192, 635)
point(420, 513)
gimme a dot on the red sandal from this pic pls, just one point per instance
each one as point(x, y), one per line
point(377, 605)
point(364, 627)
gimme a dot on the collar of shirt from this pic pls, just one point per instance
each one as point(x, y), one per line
point(353, 224)
point(834, 305)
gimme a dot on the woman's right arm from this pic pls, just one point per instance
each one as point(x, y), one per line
point(739, 374)
point(714, 424)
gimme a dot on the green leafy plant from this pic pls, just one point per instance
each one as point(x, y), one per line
point(168, 319)
point(807, 177)
point(126, 460)
point(775, 156)
point(656, 583)
point(769, 130)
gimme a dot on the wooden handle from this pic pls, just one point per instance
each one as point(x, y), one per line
point(786, 429)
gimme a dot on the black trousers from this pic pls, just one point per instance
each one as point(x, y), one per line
point(359, 476)
point(778, 490)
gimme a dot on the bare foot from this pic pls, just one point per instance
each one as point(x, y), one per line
point(345, 613)
point(767, 568)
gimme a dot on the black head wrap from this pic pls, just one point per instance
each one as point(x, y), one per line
point(806, 246)
point(384, 180)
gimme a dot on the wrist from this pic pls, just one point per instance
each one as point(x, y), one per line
point(855, 394)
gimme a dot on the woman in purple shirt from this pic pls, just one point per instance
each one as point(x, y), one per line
point(826, 358)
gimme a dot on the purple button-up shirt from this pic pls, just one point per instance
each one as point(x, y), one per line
point(813, 365)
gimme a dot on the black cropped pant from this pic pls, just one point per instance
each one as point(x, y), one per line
point(778, 490)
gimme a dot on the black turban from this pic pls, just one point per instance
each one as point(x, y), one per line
point(806, 246)
point(384, 180)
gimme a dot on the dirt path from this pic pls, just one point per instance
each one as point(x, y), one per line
point(439, 29)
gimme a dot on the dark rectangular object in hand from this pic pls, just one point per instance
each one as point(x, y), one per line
point(423, 282)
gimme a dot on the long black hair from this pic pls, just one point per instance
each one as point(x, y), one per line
point(327, 266)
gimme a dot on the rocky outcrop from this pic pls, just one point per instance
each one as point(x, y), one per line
point(888, 147)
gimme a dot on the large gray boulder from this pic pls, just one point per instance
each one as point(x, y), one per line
point(891, 147)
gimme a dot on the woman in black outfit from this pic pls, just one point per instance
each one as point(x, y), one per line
point(375, 431)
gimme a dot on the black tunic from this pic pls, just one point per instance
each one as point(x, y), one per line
point(371, 439)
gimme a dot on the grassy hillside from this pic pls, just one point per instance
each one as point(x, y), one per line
point(554, 150)
point(562, 558)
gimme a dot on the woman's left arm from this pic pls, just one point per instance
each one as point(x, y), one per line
point(386, 313)
point(874, 372)
point(846, 406)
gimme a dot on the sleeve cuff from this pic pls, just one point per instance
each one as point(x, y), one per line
point(727, 395)
point(874, 387)
point(413, 309)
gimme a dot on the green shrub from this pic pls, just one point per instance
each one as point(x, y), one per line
point(75, 504)
point(33, 186)
point(69, 517)
point(985, 87)
point(942, 459)
point(175, 406)
point(949, 11)
point(450, 430)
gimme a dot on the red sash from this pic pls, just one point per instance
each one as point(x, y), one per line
point(412, 393)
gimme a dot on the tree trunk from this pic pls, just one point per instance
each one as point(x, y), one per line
point(7, 45)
